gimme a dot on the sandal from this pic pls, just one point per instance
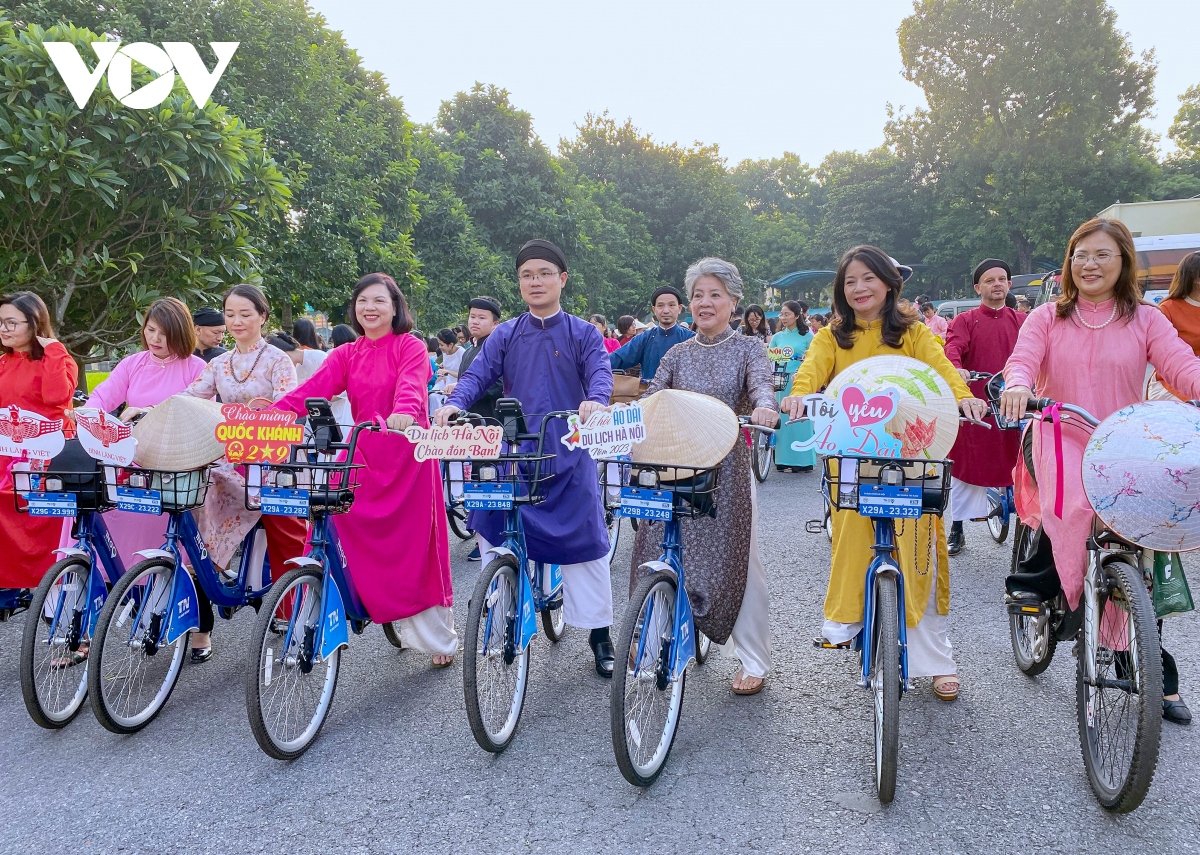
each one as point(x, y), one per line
point(940, 685)
point(77, 657)
point(740, 677)
point(449, 661)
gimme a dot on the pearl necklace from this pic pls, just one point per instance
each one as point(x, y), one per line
point(1111, 318)
point(715, 342)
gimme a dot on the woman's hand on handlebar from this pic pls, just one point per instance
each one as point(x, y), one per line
point(765, 417)
point(973, 408)
point(1013, 401)
point(399, 422)
point(130, 413)
point(793, 406)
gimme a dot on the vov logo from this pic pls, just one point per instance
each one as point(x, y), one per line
point(118, 62)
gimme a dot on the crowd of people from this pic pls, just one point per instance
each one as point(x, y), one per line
point(380, 369)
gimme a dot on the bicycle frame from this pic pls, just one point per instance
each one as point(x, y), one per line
point(1003, 497)
point(90, 532)
point(540, 587)
point(185, 613)
point(682, 650)
point(884, 562)
point(1099, 544)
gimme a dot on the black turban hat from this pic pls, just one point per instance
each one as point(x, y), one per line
point(986, 265)
point(544, 250)
point(666, 289)
point(208, 318)
point(487, 304)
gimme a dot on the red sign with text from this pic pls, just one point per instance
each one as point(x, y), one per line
point(257, 436)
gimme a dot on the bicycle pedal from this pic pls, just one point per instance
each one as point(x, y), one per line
point(1022, 605)
point(823, 643)
point(814, 526)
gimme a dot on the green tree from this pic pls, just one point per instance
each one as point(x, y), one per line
point(102, 210)
point(869, 198)
point(343, 141)
point(784, 197)
point(1032, 119)
point(687, 199)
point(1180, 177)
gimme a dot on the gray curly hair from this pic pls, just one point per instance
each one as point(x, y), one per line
point(726, 271)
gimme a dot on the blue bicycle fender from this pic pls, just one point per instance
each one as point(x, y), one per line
point(333, 632)
point(185, 609)
point(684, 651)
point(525, 611)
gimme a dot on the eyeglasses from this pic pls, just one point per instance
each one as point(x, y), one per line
point(10, 324)
point(545, 276)
point(1101, 257)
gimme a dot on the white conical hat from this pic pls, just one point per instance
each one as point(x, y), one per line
point(686, 429)
point(179, 434)
point(926, 419)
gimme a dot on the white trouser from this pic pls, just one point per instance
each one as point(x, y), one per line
point(587, 590)
point(967, 501)
point(930, 653)
point(430, 631)
point(750, 640)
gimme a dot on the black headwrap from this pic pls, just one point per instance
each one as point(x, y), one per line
point(666, 289)
point(208, 318)
point(544, 250)
point(487, 304)
point(986, 265)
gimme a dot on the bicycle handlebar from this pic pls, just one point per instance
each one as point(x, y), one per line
point(1039, 404)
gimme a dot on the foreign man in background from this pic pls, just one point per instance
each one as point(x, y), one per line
point(647, 348)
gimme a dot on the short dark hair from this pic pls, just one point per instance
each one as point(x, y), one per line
point(625, 323)
point(447, 336)
point(431, 344)
point(172, 317)
point(31, 306)
point(401, 321)
point(304, 332)
point(283, 341)
point(252, 293)
point(342, 334)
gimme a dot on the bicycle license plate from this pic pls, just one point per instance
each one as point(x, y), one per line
point(487, 497)
point(50, 504)
point(881, 500)
point(139, 501)
point(646, 504)
point(282, 502)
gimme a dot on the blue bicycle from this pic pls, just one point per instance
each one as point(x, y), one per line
point(658, 638)
point(885, 490)
point(307, 616)
point(512, 589)
point(142, 632)
point(65, 607)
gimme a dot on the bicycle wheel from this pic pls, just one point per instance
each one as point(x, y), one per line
point(612, 521)
point(703, 647)
point(762, 456)
point(391, 631)
point(290, 689)
point(885, 686)
point(457, 518)
point(1120, 717)
point(132, 673)
point(997, 521)
point(645, 704)
point(53, 676)
point(1032, 635)
point(496, 675)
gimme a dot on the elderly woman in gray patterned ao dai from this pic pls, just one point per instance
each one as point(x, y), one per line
point(725, 577)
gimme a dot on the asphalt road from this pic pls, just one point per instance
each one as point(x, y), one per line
point(396, 768)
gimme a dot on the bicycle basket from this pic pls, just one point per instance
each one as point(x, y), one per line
point(301, 489)
point(886, 487)
point(178, 491)
point(689, 491)
point(781, 380)
point(73, 472)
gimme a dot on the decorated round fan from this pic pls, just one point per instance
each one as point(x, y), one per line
point(1141, 473)
point(926, 420)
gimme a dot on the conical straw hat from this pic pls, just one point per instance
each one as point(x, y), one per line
point(179, 434)
point(926, 419)
point(686, 429)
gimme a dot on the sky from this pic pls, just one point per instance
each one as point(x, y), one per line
point(756, 77)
